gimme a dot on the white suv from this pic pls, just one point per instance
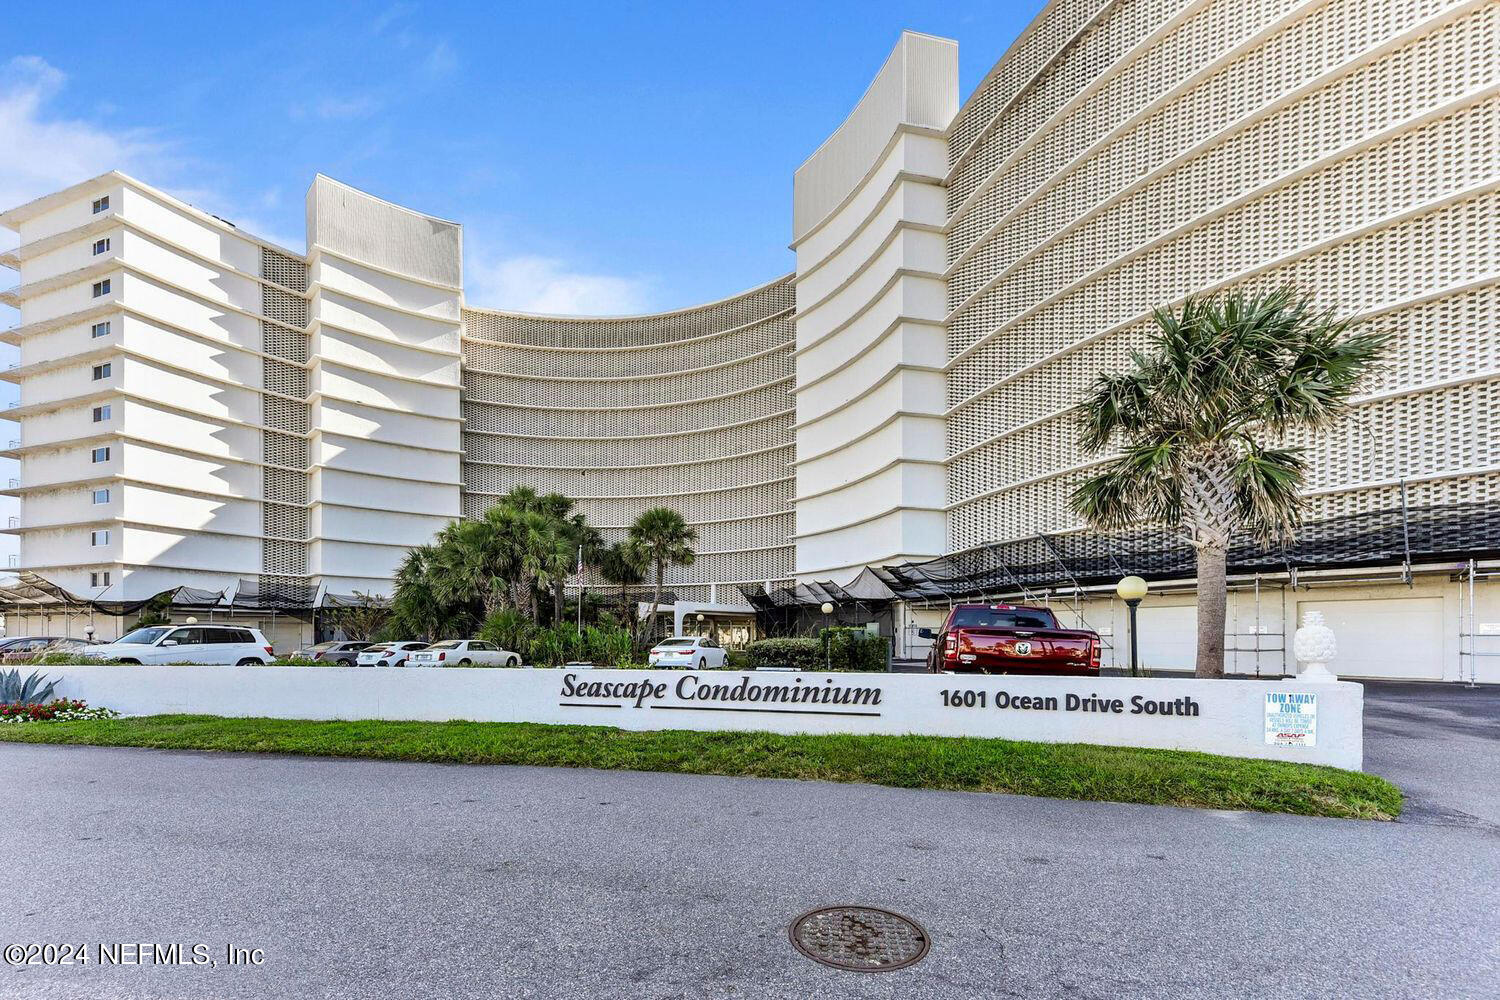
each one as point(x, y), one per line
point(210, 644)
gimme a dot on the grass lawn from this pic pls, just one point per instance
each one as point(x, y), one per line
point(1056, 770)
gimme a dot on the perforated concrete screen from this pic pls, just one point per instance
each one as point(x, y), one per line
point(1125, 155)
point(285, 414)
point(689, 410)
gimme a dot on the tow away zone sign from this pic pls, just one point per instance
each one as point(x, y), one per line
point(1291, 719)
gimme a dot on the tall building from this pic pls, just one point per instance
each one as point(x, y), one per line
point(891, 421)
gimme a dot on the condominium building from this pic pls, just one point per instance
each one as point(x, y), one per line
point(890, 422)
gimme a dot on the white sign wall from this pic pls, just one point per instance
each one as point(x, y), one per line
point(1225, 717)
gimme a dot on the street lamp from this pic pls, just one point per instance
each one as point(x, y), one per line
point(700, 622)
point(827, 610)
point(1131, 590)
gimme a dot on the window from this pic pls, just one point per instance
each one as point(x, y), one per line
point(1002, 616)
point(101, 329)
point(101, 204)
point(101, 288)
point(186, 637)
point(101, 413)
point(101, 496)
point(100, 455)
point(100, 537)
point(99, 579)
point(102, 371)
point(101, 246)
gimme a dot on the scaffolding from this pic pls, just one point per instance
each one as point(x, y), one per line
point(1470, 631)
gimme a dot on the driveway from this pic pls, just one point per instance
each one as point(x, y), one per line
point(369, 879)
point(1440, 743)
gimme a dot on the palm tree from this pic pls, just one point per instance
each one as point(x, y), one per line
point(468, 562)
point(1200, 421)
point(663, 539)
point(582, 540)
point(415, 609)
point(622, 564)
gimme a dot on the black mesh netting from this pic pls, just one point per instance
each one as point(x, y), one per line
point(1393, 537)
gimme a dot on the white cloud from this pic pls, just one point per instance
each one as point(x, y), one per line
point(337, 109)
point(548, 285)
point(440, 60)
point(46, 153)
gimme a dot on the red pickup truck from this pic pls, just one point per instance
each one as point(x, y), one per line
point(1010, 639)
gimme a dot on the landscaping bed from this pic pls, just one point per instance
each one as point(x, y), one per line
point(1055, 770)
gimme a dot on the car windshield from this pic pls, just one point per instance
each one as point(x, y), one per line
point(449, 644)
point(998, 618)
point(678, 642)
point(379, 647)
point(146, 636)
point(323, 645)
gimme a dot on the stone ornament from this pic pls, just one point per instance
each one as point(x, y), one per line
point(1315, 647)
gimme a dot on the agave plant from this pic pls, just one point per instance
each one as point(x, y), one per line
point(34, 690)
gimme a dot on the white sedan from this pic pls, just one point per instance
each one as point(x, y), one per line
point(389, 654)
point(463, 653)
point(694, 653)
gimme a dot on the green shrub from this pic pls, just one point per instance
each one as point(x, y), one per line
point(607, 646)
point(551, 647)
point(836, 649)
point(509, 629)
point(799, 654)
point(737, 659)
point(853, 649)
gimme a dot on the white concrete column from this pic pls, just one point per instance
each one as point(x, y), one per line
point(871, 344)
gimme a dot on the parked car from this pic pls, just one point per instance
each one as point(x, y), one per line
point(692, 652)
point(41, 647)
point(463, 653)
point(389, 654)
point(26, 645)
point(346, 653)
point(210, 644)
point(1010, 639)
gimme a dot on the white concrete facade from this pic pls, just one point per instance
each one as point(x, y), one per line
point(869, 211)
point(963, 269)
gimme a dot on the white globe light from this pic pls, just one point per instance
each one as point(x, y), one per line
point(1132, 588)
point(827, 608)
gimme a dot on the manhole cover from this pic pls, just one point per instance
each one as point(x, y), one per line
point(859, 938)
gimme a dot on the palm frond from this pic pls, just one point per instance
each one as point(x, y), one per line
point(1268, 490)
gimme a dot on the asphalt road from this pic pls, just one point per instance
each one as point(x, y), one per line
point(367, 879)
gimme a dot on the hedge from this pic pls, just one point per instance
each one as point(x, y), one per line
point(799, 654)
point(836, 649)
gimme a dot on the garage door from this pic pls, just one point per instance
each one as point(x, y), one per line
point(1168, 639)
point(1395, 637)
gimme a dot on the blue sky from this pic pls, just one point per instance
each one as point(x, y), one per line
point(603, 158)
